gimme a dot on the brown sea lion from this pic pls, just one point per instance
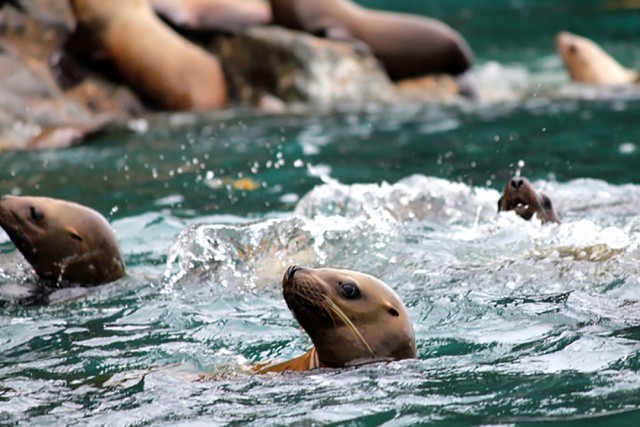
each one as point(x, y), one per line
point(407, 45)
point(352, 318)
point(159, 64)
point(63, 241)
point(214, 15)
point(586, 62)
point(520, 196)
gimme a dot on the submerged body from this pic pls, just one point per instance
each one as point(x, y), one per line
point(407, 45)
point(65, 243)
point(351, 318)
point(520, 196)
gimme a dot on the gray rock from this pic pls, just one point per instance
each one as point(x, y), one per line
point(297, 67)
point(35, 110)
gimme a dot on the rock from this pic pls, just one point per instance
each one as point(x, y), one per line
point(297, 67)
point(36, 111)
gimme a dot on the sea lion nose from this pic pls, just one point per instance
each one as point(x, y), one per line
point(517, 182)
point(291, 271)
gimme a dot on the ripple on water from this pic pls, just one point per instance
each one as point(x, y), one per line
point(515, 321)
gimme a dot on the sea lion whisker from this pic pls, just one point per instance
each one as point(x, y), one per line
point(335, 309)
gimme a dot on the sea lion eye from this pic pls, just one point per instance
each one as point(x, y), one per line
point(350, 290)
point(35, 214)
point(546, 202)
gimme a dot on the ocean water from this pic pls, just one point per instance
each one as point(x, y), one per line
point(517, 324)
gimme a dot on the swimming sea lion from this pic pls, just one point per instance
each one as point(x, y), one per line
point(586, 62)
point(215, 15)
point(520, 196)
point(149, 56)
point(351, 317)
point(63, 241)
point(407, 45)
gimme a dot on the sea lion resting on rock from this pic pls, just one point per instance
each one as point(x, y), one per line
point(520, 196)
point(214, 15)
point(155, 61)
point(352, 318)
point(407, 45)
point(65, 243)
point(586, 62)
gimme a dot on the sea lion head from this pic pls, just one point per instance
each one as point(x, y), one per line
point(63, 241)
point(586, 62)
point(351, 317)
point(520, 196)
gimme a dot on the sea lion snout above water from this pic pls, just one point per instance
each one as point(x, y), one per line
point(586, 62)
point(520, 196)
point(63, 241)
point(351, 318)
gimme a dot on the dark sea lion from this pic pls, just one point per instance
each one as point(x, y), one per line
point(407, 45)
point(148, 55)
point(63, 241)
point(520, 196)
point(214, 15)
point(586, 62)
point(352, 318)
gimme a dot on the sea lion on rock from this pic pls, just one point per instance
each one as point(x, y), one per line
point(214, 15)
point(586, 62)
point(520, 196)
point(165, 68)
point(63, 241)
point(407, 45)
point(352, 318)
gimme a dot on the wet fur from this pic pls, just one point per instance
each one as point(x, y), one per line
point(65, 243)
point(345, 332)
point(520, 196)
point(586, 62)
point(407, 45)
point(166, 69)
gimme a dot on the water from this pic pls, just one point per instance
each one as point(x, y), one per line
point(516, 323)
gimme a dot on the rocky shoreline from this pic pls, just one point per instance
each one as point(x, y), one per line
point(52, 97)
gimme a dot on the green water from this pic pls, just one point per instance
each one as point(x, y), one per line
point(516, 323)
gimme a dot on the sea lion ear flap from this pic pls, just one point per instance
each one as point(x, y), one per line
point(499, 203)
point(74, 234)
point(392, 310)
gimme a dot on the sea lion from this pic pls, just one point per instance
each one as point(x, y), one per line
point(159, 64)
point(214, 15)
point(65, 243)
point(586, 62)
point(520, 196)
point(407, 45)
point(352, 318)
